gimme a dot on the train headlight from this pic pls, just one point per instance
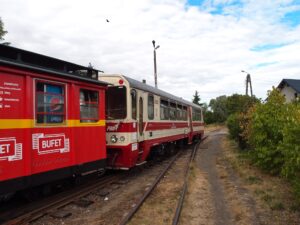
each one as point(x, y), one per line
point(113, 138)
point(122, 138)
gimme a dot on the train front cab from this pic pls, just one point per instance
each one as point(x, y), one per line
point(121, 124)
point(52, 126)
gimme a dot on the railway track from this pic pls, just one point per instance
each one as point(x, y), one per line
point(139, 203)
point(36, 210)
point(185, 185)
point(47, 206)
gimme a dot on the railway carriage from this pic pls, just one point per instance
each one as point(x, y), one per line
point(52, 120)
point(143, 120)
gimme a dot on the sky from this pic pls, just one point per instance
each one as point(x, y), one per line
point(204, 44)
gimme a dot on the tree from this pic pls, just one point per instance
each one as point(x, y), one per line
point(2, 32)
point(222, 107)
point(239, 103)
point(209, 117)
point(196, 99)
point(219, 108)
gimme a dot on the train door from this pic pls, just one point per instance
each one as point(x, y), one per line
point(190, 124)
point(140, 119)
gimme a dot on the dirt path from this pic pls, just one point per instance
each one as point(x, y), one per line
point(226, 189)
point(215, 195)
point(207, 161)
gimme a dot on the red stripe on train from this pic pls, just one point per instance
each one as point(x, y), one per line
point(151, 126)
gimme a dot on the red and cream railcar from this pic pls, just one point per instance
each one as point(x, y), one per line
point(52, 119)
point(142, 119)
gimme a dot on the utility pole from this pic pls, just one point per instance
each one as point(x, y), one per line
point(248, 83)
point(154, 56)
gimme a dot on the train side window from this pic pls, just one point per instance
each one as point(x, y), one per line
point(89, 106)
point(150, 107)
point(194, 114)
point(179, 112)
point(173, 111)
point(184, 112)
point(199, 115)
point(133, 104)
point(176, 112)
point(50, 103)
point(164, 110)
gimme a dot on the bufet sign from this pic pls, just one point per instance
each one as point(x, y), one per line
point(50, 143)
point(10, 150)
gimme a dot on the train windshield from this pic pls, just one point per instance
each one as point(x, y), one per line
point(116, 103)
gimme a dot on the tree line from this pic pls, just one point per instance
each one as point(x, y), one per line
point(220, 108)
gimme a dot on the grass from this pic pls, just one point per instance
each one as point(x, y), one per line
point(273, 195)
point(277, 206)
point(259, 192)
point(294, 207)
point(192, 172)
point(211, 127)
point(267, 198)
point(254, 180)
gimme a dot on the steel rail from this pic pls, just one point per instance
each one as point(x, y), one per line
point(49, 204)
point(185, 185)
point(126, 219)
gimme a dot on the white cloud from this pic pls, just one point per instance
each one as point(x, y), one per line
point(199, 51)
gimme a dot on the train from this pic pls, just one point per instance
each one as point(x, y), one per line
point(62, 120)
point(144, 120)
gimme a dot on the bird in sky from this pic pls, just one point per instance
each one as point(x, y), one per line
point(107, 20)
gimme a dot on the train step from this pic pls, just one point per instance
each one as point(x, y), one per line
point(141, 163)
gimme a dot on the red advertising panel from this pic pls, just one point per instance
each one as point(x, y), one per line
point(10, 150)
point(50, 143)
point(11, 96)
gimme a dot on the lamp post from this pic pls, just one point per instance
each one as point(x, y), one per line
point(155, 70)
point(248, 80)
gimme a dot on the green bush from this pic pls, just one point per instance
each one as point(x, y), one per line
point(272, 131)
point(209, 117)
point(234, 122)
point(233, 126)
point(290, 145)
point(239, 125)
point(268, 121)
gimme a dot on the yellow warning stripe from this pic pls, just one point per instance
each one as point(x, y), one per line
point(13, 123)
point(29, 123)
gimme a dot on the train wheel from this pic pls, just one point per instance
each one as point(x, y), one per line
point(101, 172)
point(77, 179)
point(161, 150)
point(171, 149)
point(6, 197)
point(185, 141)
point(179, 144)
point(46, 190)
point(32, 194)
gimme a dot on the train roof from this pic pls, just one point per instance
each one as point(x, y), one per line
point(33, 61)
point(145, 87)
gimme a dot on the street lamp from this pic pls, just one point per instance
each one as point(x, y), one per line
point(248, 80)
point(155, 70)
